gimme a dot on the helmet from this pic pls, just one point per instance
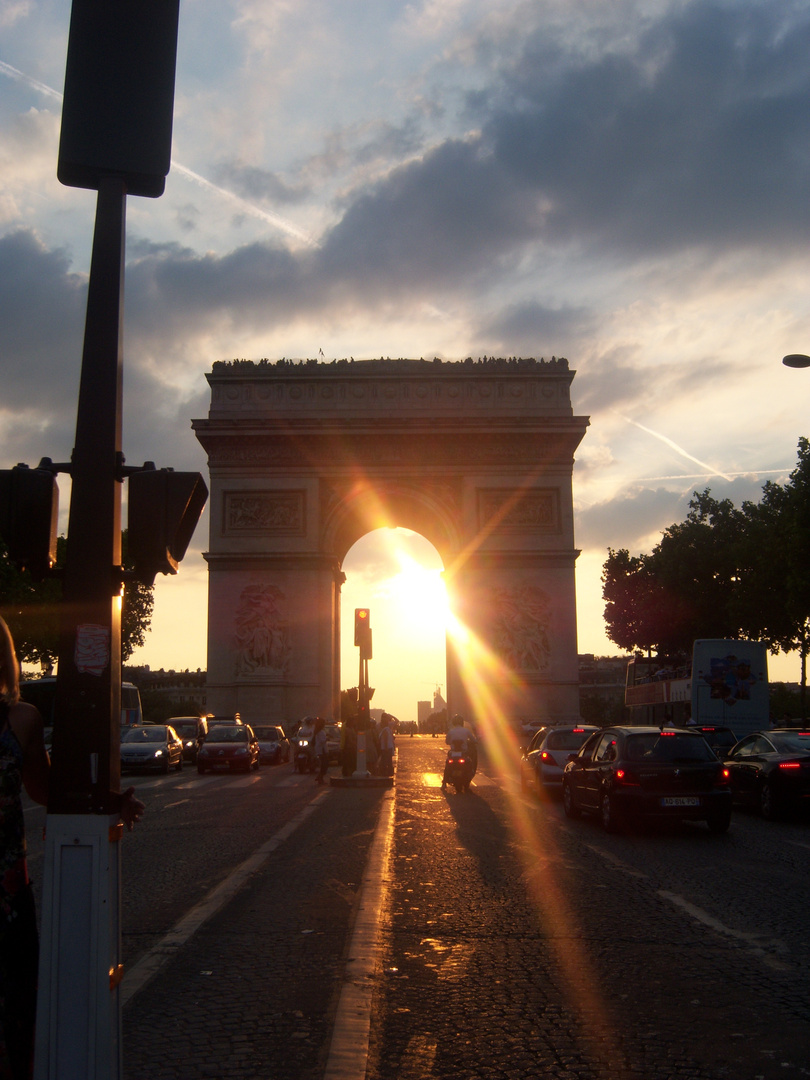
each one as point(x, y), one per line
point(458, 720)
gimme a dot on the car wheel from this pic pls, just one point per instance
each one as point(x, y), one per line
point(719, 823)
point(180, 763)
point(165, 767)
point(607, 811)
point(569, 806)
point(768, 806)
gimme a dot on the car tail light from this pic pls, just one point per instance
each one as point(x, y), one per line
point(667, 734)
point(622, 776)
point(545, 755)
point(723, 776)
point(578, 730)
point(790, 765)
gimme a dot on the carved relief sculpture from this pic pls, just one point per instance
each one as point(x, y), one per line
point(520, 627)
point(262, 636)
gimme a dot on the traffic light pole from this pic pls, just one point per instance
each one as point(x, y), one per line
point(78, 1014)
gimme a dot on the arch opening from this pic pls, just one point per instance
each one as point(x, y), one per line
point(397, 574)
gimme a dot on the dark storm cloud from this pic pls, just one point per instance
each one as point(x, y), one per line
point(621, 521)
point(630, 520)
point(533, 329)
point(42, 308)
point(697, 136)
point(257, 184)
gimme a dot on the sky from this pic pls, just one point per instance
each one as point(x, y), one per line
point(624, 183)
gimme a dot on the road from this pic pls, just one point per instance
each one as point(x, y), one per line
point(510, 942)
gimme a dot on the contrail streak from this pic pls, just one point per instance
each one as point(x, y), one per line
point(674, 446)
point(13, 73)
point(265, 215)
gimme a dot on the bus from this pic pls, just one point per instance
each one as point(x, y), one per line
point(42, 694)
point(726, 685)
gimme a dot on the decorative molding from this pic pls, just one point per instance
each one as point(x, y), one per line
point(536, 510)
point(274, 513)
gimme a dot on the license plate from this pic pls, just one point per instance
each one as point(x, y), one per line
point(680, 800)
point(221, 765)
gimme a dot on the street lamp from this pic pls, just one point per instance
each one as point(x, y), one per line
point(796, 360)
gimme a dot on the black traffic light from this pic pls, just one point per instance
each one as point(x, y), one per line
point(119, 94)
point(362, 631)
point(29, 509)
point(164, 508)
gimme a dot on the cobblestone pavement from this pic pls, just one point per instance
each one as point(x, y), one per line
point(517, 945)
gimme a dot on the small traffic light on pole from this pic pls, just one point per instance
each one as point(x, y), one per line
point(362, 631)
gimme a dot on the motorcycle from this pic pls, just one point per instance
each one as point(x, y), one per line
point(304, 760)
point(458, 769)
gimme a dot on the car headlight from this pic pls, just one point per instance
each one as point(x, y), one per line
point(158, 753)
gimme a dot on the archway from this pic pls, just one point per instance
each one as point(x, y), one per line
point(398, 575)
point(305, 458)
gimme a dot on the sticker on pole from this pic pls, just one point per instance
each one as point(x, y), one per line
point(92, 656)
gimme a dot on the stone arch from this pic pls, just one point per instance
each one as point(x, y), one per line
point(426, 509)
point(305, 458)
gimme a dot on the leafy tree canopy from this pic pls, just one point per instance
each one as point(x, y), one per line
point(31, 609)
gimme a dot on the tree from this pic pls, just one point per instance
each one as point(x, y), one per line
point(31, 609)
point(723, 572)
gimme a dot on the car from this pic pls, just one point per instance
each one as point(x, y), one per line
point(770, 770)
point(720, 739)
point(648, 773)
point(152, 746)
point(192, 731)
point(545, 758)
point(274, 746)
point(229, 748)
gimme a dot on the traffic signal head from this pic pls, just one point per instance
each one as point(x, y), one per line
point(164, 508)
point(362, 625)
point(29, 509)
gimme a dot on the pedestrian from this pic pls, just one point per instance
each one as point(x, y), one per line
point(321, 753)
point(386, 746)
point(24, 762)
point(348, 747)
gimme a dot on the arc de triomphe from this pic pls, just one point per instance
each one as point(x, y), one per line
point(307, 457)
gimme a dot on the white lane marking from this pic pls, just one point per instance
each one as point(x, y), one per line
point(483, 781)
point(751, 940)
point(348, 1051)
point(159, 955)
point(179, 802)
point(617, 863)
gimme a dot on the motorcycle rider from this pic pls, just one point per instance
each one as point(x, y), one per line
point(461, 738)
point(307, 732)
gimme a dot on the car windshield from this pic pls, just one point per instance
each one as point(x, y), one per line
point(266, 734)
point(185, 729)
point(668, 746)
point(146, 734)
point(566, 740)
point(790, 742)
point(227, 734)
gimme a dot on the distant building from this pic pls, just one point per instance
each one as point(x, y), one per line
point(423, 711)
point(178, 685)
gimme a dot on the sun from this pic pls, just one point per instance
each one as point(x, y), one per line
point(418, 594)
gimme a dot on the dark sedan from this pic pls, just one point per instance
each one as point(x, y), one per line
point(153, 746)
point(274, 746)
point(632, 773)
point(770, 770)
point(231, 748)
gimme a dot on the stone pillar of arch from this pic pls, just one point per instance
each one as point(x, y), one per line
point(305, 458)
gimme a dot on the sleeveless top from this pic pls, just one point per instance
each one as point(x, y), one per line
point(13, 868)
